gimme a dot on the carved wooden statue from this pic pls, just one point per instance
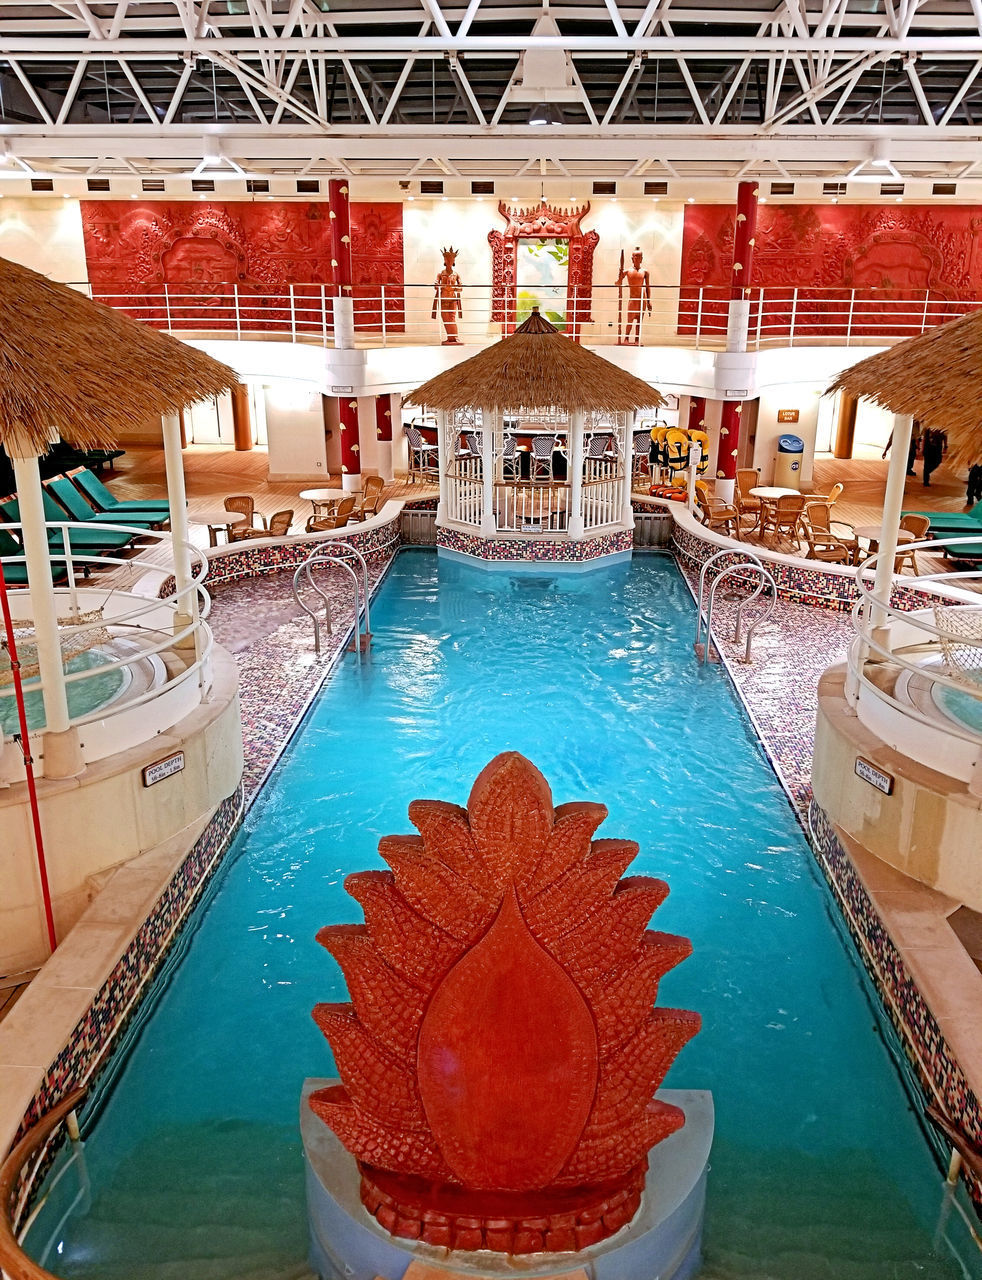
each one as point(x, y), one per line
point(638, 298)
point(446, 295)
point(501, 1050)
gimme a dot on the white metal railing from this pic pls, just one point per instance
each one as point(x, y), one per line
point(465, 491)
point(688, 315)
point(601, 498)
point(531, 508)
point(152, 626)
point(918, 643)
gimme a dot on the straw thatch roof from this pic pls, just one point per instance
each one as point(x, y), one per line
point(78, 369)
point(537, 367)
point(936, 377)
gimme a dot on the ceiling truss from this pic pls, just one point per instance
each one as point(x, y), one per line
point(390, 86)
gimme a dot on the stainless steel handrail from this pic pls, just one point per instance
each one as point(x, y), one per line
point(14, 1262)
point(335, 553)
point(751, 562)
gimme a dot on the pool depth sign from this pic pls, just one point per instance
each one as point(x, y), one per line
point(875, 777)
point(162, 769)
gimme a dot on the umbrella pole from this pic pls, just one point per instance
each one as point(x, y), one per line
point(25, 746)
point(893, 501)
point(60, 745)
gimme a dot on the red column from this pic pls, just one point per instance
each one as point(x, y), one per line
point(350, 443)
point(383, 434)
point(340, 215)
point(744, 239)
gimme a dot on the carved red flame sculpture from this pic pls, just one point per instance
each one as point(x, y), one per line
point(500, 1052)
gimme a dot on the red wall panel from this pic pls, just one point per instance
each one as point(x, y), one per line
point(893, 254)
point(232, 263)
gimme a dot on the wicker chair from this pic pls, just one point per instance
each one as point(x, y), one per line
point(715, 513)
point(543, 447)
point(746, 479)
point(371, 498)
point(824, 542)
point(244, 503)
point(918, 526)
point(279, 527)
point(422, 456)
point(337, 519)
point(784, 518)
point(640, 461)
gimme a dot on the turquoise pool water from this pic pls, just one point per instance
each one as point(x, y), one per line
point(84, 696)
point(193, 1165)
point(960, 704)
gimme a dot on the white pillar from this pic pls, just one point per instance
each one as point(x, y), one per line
point(488, 524)
point(62, 753)
point(187, 609)
point(444, 445)
point(575, 526)
point(344, 322)
point(625, 462)
point(893, 501)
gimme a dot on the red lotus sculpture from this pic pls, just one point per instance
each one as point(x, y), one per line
point(500, 1052)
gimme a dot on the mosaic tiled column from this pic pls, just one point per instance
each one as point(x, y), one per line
point(350, 443)
point(383, 435)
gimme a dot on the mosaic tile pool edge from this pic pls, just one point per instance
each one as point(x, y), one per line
point(938, 1072)
point(508, 550)
point(93, 1038)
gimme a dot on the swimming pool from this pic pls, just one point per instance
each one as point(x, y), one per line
point(819, 1168)
point(84, 696)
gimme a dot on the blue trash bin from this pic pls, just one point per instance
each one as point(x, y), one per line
point(787, 462)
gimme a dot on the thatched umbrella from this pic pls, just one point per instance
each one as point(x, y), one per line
point(77, 369)
point(936, 377)
point(537, 367)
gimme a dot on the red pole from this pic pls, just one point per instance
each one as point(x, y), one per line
point(25, 747)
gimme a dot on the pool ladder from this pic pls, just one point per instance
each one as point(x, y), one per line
point(749, 565)
point(339, 554)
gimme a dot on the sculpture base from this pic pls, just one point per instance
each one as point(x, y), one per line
point(663, 1238)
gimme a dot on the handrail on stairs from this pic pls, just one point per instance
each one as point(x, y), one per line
point(14, 1262)
point(749, 562)
point(335, 553)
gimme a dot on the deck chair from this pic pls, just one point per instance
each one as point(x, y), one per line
point(918, 526)
point(640, 449)
point(15, 570)
point(511, 459)
point(824, 539)
point(67, 496)
point(85, 540)
point(104, 501)
point(715, 513)
point(371, 498)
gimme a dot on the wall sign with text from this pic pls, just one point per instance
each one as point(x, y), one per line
point(875, 777)
point(162, 769)
point(787, 415)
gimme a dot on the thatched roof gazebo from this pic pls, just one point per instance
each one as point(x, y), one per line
point(537, 367)
point(935, 377)
point(535, 448)
point(74, 368)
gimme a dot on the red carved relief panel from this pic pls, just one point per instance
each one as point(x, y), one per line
point(543, 222)
point(222, 265)
point(501, 1050)
point(377, 261)
point(900, 251)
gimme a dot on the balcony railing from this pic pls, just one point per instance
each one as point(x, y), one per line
point(398, 315)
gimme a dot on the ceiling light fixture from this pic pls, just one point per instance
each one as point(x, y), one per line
point(544, 113)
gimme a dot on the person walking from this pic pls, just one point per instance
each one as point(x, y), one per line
point(915, 440)
point(974, 484)
point(935, 447)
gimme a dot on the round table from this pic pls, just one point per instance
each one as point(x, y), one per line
point(771, 492)
point(322, 501)
point(872, 533)
point(217, 518)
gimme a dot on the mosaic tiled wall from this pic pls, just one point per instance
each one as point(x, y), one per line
point(803, 582)
point(504, 550)
point(93, 1037)
point(374, 543)
point(940, 1076)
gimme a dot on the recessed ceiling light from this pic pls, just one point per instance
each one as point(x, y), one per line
point(132, 197)
point(762, 200)
point(412, 197)
point(65, 195)
point(900, 199)
point(691, 200)
point(654, 199)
